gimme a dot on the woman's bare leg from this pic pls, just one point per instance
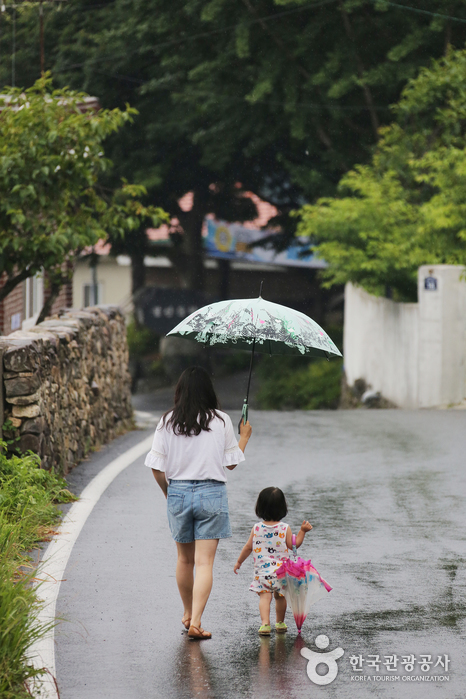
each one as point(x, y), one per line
point(185, 576)
point(204, 555)
point(265, 599)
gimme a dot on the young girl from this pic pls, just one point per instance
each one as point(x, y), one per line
point(271, 540)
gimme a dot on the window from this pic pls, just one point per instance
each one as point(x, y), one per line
point(89, 294)
point(15, 321)
point(33, 299)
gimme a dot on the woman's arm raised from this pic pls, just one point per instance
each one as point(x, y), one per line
point(245, 431)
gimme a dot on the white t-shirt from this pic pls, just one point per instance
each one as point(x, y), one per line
point(198, 457)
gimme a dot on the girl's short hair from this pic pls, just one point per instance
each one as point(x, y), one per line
point(271, 505)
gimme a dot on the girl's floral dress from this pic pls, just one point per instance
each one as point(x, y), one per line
point(268, 547)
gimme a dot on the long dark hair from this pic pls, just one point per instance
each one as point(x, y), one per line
point(196, 403)
point(271, 505)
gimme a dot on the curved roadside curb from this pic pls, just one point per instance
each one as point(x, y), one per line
point(55, 558)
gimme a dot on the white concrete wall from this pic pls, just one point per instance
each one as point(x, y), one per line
point(380, 345)
point(442, 337)
point(413, 353)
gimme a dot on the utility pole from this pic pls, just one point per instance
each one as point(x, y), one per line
point(41, 28)
point(13, 53)
point(41, 31)
point(13, 6)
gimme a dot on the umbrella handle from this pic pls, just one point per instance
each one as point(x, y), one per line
point(293, 541)
point(244, 415)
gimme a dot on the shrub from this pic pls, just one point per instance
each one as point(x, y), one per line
point(27, 495)
point(141, 340)
point(315, 386)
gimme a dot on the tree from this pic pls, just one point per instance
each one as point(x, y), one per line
point(51, 156)
point(408, 206)
point(283, 96)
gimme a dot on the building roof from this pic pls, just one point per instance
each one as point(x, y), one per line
point(85, 104)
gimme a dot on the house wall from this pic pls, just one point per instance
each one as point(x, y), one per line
point(292, 286)
point(63, 300)
point(12, 308)
point(414, 354)
point(114, 278)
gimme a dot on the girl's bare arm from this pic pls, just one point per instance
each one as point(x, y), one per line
point(247, 550)
point(305, 527)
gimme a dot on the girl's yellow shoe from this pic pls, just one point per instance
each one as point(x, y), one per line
point(281, 627)
point(264, 630)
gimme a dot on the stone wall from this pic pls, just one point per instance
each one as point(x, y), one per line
point(65, 385)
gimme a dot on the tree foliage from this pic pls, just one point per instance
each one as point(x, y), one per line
point(407, 207)
point(51, 156)
point(298, 87)
point(283, 96)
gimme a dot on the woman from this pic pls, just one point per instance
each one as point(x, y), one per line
point(192, 444)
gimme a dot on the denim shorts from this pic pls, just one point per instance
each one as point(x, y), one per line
point(198, 510)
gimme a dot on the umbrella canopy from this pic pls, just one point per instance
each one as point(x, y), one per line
point(302, 586)
point(256, 324)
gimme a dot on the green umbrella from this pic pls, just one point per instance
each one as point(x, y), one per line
point(258, 325)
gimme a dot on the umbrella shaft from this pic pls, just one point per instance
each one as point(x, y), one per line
point(250, 369)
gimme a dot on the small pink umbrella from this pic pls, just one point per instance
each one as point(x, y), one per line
point(301, 584)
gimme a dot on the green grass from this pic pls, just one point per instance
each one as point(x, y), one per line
point(18, 626)
point(28, 514)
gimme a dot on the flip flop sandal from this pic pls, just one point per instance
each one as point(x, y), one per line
point(197, 634)
point(281, 627)
point(264, 630)
point(186, 623)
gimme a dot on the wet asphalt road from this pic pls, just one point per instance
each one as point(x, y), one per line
point(385, 492)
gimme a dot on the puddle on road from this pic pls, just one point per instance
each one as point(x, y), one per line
point(251, 667)
point(257, 668)
point(448, 613)
point(418, 501)
point(331, 509)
